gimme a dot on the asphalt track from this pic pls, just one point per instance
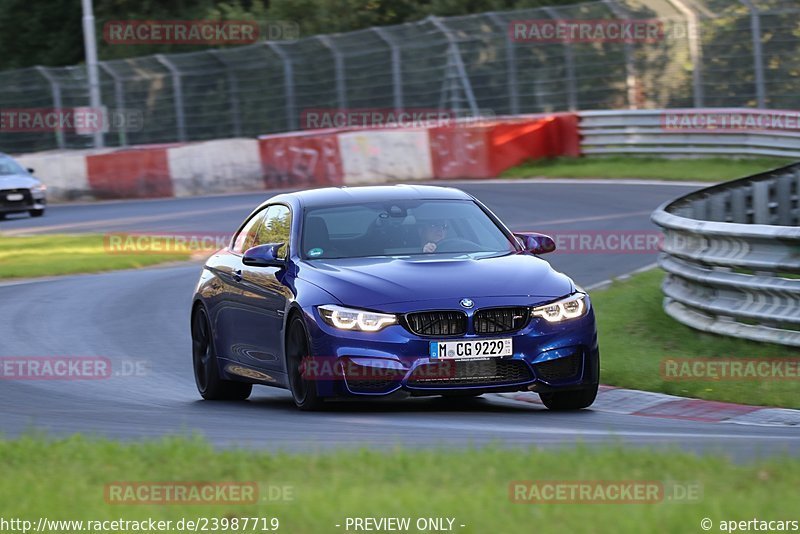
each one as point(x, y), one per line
point(141, 318)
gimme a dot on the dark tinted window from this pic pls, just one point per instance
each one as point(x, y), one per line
point(276, 228)
point(401, 228)
point(9, 166)
point(247, 236)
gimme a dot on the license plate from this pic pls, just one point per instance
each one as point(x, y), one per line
point(13, 197)
point(473, 348)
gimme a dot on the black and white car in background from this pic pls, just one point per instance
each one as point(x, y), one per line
point(20, 191)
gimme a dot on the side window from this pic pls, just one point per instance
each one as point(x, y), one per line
point(247, 237)
point(276, 228)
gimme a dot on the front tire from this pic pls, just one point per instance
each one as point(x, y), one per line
point(210, 384)
point(569, 400)
point(36, 213)
point(304, 391)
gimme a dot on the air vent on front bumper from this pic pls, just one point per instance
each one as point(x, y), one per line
point(559, 369)
point(437, 323)
point(450, 373)
point(500, 320)
point(371, 379)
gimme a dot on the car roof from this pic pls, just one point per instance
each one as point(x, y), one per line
point(332, 196)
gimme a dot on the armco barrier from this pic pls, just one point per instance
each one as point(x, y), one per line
point(649, 132)
point(314, 158)
point(732, 257)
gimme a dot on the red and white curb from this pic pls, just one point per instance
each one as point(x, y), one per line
point(648, 404)
point(306, 158)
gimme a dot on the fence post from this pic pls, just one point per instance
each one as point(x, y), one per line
point(177, 92)
point(233, 93)
point(695, 50)
point(511, 64)
point(119, 100)
point(631, 80)
point(397, 74)
point(338, 63)
point(288, 84)
point(92, 76)
point(455, 53)
point(569, 66)
point(758, 58)
point(55, 88)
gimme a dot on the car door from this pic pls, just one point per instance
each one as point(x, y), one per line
point(265, 295)
point(230, 309)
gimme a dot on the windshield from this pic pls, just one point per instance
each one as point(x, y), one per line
point(401, 228)
point(9, 166)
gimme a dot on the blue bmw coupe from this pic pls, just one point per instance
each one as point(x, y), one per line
point(389, 291)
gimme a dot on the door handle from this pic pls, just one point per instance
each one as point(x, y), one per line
point(237, 275)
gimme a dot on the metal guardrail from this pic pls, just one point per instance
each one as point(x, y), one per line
point(644, 132)
point(732, 257)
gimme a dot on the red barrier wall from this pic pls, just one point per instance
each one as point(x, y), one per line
point(486, 150)
point(566, 136)
point(130, 174)
point(301, 159)
point(313, 159)
point(459, 152)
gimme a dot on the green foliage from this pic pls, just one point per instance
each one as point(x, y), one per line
point(50, 33)
point(44, 33)
point(65, 479)
point(636, 336)
point(680, 169)
point(53, 255)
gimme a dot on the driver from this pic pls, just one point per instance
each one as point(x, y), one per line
point(431, 233)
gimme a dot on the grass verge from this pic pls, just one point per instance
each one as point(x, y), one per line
point(688, 169)
point(636, 335)
point(66, 479)
point(52, 255)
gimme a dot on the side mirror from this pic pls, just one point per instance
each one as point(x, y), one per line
point(536, 243)
point(264, 256)
point(30, 170)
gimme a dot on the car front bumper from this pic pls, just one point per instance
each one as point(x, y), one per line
point(546, 357)
point(31, 200)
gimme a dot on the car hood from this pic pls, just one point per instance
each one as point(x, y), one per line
point(370, 282)
point(17, 181)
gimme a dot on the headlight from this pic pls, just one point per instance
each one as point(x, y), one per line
point(41, 188)
point(352, 319)
point(565, 309)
